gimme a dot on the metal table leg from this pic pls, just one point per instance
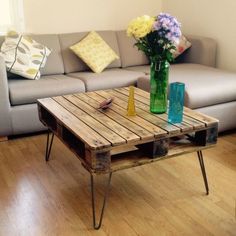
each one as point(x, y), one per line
point(49, 145)
point(95, 225)
point(201, 161)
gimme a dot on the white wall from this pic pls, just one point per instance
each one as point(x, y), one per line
point(212, 18)
point(60, 16)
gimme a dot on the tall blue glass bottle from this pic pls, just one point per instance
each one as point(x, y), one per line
point(176, 102)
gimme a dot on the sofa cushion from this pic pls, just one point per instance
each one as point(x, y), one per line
point(181, 46)
point(74, 64)
point(130, 55)
point(110, 78)
point(54, 63)
point(28, 91)
point(144, 69)
point(204, 86)
point(23, 55)
point(95, 52)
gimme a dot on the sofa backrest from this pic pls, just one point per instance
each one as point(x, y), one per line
point(73, 63)
point(130, 55)
point(54, 63)
point(203, 51)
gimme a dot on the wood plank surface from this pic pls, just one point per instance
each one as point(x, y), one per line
point(81, 130)
point(155, 130)
point(129, 160)
point(207, 120)
point(163, 118)
point(138, 130)
point(144, 114)
point(3, 139)
point(104, 119)
point(101, 129)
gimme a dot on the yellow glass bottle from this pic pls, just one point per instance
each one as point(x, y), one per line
point(131, 102)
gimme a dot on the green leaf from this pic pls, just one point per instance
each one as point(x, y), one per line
point(38, 46)
point(22, 50)
point(36, 62)
point(20, 61)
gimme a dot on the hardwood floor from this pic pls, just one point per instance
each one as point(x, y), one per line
point(165, 198)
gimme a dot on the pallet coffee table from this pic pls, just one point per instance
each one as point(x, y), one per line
point(109, 141)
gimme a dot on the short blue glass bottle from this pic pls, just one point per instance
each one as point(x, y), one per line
point(176, 102)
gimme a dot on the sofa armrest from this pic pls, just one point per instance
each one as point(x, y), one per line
point(5, 107)
point(202, 51)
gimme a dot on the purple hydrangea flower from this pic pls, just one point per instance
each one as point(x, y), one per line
point(167, 27)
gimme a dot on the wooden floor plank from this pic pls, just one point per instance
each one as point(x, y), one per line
point(166, 198)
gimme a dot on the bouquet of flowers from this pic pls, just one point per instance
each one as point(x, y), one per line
point(157, 36)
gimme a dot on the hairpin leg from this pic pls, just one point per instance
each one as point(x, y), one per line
point(95, 225)
point(201, 161)
point(49, 145)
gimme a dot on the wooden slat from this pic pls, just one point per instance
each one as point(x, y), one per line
point(195, 123)
point(142, 133)
point(3, 139)
point(137, 159)
point(155, 130)
point(125, 91)
point(105, 132)
point(184, 126)
point(101, 117)
point(140, 94)
point(81, 130)
point(209, 121)
point(144, 112)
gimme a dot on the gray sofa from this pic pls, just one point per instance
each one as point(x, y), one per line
point(208, 90)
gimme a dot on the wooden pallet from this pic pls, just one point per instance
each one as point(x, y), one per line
point(107, 141)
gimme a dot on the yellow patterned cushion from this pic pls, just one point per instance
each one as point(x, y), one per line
point(23, 55)
point(95, 52)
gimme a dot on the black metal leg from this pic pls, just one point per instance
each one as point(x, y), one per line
point(95, 225)
point(49, 145)
point(201, 161)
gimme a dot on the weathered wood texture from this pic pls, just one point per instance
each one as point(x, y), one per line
point(92, 133)
point(166, 198)
point(3, 139)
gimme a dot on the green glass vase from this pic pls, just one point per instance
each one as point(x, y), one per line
point(159, 73)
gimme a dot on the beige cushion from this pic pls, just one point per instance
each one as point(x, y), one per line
point(24, 91)
point(54, 63)
point(144, 69)
point(130, 55)
point(95, 52)
point(110, 78)
point(204, 86)
point(74, 64)
point(181, 46)
point(23, 55)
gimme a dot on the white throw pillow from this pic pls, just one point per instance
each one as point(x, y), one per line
point(182, 46)
point(23, 55)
